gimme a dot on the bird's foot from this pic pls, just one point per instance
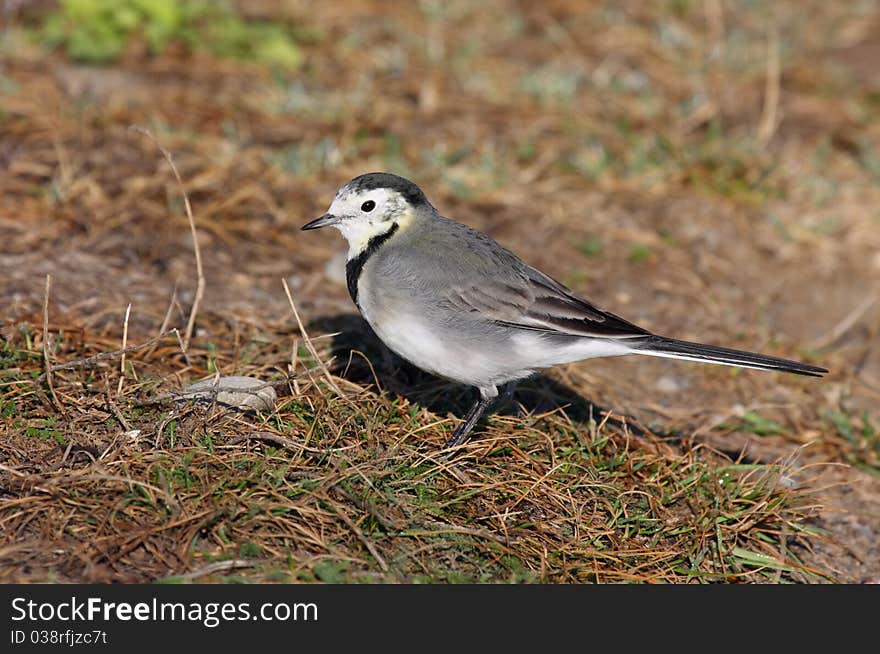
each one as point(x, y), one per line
point(459, 436)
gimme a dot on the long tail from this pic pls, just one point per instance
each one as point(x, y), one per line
point(659, 346)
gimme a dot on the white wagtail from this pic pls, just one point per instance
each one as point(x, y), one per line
point(455, 303)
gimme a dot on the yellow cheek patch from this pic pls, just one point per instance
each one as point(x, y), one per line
point(359, 239)
point(404, 219)
point(359, 233)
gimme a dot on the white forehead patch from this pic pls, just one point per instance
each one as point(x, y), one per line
point(348, 203)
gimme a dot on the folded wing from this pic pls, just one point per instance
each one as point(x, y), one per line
point(531, 300)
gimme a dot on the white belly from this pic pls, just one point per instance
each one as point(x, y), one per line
point(423, 347)
point(465, 358)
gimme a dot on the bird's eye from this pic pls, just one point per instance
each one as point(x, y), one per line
point(369, 205)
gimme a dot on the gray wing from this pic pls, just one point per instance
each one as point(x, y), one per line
point(510, 292)
point(482, 279)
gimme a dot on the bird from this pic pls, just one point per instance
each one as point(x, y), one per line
point(455, 303)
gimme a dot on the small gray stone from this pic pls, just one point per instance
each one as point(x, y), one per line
point(246, 393)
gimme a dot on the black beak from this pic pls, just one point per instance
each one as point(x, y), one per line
point(324, 221)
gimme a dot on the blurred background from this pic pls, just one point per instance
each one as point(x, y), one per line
point(708, 169)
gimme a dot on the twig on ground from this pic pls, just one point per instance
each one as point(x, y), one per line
point(167, 320)
point(849, 321)
point(102, 356)
point(124, 345)
point(770, 111)
point(200, 275)
point(217, 566)
point(337, 508)
point(388, 524)
point(282, 441)
point(49, 367)
point(308, 342)
point(13, 471)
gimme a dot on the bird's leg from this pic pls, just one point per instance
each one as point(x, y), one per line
point(464, 429)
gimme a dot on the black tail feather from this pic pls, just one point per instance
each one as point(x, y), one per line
point(670, 347)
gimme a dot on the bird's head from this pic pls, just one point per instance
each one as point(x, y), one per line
point(371, 206)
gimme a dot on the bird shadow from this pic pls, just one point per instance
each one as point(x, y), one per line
point(360, 357)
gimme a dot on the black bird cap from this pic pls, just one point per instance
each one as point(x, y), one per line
point(412, 193)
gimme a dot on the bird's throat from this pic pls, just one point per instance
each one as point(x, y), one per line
point(355, 264)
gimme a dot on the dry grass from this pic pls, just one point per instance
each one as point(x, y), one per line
point(656, 158)
point(354, 488)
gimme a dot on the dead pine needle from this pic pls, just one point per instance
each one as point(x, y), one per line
point(770, 110)
point(371, 548)
point(200, 274)
point(124, 345)
point(46, 331)
point(217, 566)
point(308, 342)
point(103, 356)
point(163, 329)
point(46, 360)
point(847, 322)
